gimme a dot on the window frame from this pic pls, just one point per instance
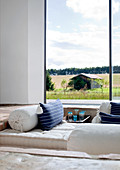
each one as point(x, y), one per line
point(45, 30)
point(110, 49)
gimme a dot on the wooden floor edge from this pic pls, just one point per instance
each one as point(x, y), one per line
point(58, 153)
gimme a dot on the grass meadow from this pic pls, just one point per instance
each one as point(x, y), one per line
point(98, 93)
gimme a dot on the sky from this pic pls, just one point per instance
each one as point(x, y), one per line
point(77, 33)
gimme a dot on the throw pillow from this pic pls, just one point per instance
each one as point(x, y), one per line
point(52, 115)
point(115, 108)
point(109, 118)
point(105, 107)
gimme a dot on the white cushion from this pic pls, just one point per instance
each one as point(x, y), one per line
point(24, 119)
point(95, 139)
point(96, 119)
point(105, 107)
point(53, 139)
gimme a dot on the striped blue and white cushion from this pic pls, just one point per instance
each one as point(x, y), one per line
point(115, 108)
point(52, 115)
point(109, 118)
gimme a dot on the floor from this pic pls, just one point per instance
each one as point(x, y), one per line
point(22, 161)
point(6, 109)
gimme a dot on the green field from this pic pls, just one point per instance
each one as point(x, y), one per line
point(98, 93)
point(81, 94)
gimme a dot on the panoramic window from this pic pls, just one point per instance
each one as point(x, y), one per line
point(77, 51)
point(116, 49)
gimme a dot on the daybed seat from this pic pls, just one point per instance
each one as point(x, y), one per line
point(89, 138)
point(92, 138)
point(95, 139)
point(53, 139)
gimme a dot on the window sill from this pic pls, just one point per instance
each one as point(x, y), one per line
point(80, 103)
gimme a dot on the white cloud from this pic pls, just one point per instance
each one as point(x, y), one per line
point(116, 27)
point(116, 6)
point(88, 45)
point(58, 26)
point(85, 49)
point(116, 45)
point(96, 9)
point(75, 30)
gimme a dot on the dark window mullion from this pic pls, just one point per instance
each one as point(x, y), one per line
point(110, 50)
point(45, 14)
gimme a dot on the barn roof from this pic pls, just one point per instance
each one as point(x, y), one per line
point(91, 76)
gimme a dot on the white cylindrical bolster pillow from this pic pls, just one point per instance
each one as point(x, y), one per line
point(24, 119)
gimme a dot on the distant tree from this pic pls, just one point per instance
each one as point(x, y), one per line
point(90, 70)
point(64, 84)
point(71, 83)
point(106, 83)
point(49, 83)
point(101, 82)
point(79, 83)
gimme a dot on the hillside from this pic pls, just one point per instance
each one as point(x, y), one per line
point(58, 79)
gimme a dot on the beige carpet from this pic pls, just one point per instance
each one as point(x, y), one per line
point(40, 159)
point(20, 161)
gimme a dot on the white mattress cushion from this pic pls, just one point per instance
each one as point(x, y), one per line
point(95, 139)
point(66, 126)
point(53, 139)
point(24, 119)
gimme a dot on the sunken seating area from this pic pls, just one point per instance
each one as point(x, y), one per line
point(93, 138)
point(90, 138)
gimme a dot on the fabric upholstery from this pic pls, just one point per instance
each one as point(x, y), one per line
point(109, 118)
point(52, 115)
point(95, 138)
point(24, 118)
point(115, 108)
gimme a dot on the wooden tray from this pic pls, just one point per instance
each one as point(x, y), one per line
point(80, 121)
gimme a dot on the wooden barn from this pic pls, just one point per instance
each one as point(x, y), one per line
point(88, 80)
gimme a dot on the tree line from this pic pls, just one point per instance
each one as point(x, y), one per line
point(91, 70)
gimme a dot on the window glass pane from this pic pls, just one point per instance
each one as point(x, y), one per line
point(116, 49)
point(77, 49)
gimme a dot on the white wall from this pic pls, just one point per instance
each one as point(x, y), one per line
point(21, 51)
point(35, 50)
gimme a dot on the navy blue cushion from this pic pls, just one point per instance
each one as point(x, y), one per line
point(51, 116)
point(115, 108)
point(109, 118)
